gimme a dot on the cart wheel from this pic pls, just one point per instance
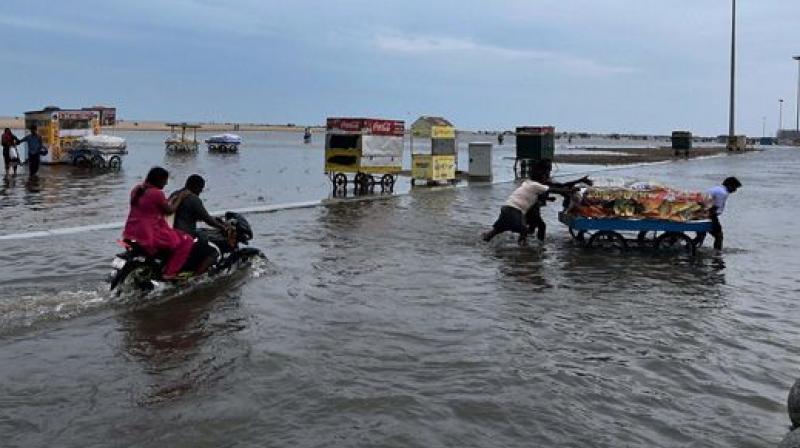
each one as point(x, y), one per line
point(387, 182)
point(699, 239)
point(608, 241)
point(82, 161)
point(366, 182)
point(516, 173)
point(98, 162)
point(340, 181)
point(646, 239)
point(578, 235)
point(357, 180)
point(115, 163)
point(413, 181)
point(676, 242)
point(172, 147)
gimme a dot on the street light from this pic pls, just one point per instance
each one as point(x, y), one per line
point(731, 123)
point(780, 115)
point(797, 105)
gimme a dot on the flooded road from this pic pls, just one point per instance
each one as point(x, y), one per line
point(388, 323)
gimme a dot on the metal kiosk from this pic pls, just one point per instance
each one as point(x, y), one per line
point(534, 144)
point(433, 154)
point(182, 143)
point(681, 142)
point(367, 147)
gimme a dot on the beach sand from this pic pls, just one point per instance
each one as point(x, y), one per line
point(149, 125)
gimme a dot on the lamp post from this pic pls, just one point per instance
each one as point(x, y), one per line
point(780, 115)
point(797, 105)
point(731, 120)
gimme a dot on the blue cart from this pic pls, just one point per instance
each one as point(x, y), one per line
point(617, 234)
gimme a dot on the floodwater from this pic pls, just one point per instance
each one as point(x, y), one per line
point(386, 322)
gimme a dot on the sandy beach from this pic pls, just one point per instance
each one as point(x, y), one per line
point(151, 125)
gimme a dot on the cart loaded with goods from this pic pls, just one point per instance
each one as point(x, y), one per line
point(98, 151)
point(638, 214)
point(224, 143)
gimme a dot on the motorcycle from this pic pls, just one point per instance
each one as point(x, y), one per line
point(135, 269)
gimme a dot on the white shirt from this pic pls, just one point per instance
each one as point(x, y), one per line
point(719, 195)
point(525, 195)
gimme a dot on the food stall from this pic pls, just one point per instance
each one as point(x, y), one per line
point(366, 147)
point(433, 150)
point(61, 129)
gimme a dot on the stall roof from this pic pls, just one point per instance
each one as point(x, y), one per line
point(423, 126)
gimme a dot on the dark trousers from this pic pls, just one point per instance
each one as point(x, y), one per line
point(510, 219)
point(33, 165)
point(535, 222)
point(716, 231)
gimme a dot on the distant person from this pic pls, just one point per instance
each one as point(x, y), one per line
point(514, 214)
point(36, 150)
point(146, 223)
point(719, 196)
point(9, 141)
point(500, 138)
point(307, 135)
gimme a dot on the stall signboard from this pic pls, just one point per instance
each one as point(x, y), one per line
point(443, 132)
point(536, 130)
point(366, 126)
point(433, 168)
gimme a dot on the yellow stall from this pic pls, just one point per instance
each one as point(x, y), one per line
point(62, 129)
point(433, 150)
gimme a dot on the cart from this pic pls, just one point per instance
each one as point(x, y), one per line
point(224, 143)
point(433, 154)
point(98, 152)
point(619, 234)
point(366, 147)
point(181, 143)
point(535, 144)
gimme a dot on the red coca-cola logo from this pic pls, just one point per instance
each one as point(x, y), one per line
point(382, 127)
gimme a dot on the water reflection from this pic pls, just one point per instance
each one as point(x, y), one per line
point(184, 344)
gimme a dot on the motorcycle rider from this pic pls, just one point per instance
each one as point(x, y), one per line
point(189, 211)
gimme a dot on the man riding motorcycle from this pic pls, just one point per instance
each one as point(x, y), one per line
point(189, 211)
point(149, 259)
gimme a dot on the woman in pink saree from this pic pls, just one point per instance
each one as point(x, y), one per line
point(147, 225)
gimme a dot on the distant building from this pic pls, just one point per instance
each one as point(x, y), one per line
point(108, 115)
point(789, 137)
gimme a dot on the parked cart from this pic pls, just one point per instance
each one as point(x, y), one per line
point(224, 143)
point(61, 130)
point(433, 150)
point(99, 152)
point(182, 143)
point(371, 149)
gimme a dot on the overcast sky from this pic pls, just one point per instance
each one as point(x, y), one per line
point(646, 66)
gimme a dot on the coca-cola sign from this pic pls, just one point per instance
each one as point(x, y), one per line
point(366, 125)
